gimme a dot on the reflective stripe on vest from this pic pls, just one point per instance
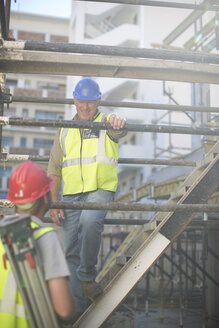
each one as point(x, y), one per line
point(92, 166)
point(7, 304)
point(100, 157)
point(11, 304)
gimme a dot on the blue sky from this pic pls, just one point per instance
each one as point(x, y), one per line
point(59, 8)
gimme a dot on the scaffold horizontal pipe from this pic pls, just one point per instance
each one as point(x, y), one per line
point(19, 157)
point(166, 4)
point(113, 221)
point(141, 161)
point(156, 162)
point(118, 206)
point(197, 57)
point(117, 104)
point(20, 121)
point(109, 221)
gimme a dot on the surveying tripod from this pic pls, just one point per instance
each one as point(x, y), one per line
point(22, 253)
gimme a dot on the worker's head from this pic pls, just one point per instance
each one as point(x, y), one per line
point(29, 188)
point(86, 98)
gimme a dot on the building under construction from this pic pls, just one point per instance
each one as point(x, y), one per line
point(157, 63)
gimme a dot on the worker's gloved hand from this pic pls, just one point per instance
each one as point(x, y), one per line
point(56, 214)
point(115, 121)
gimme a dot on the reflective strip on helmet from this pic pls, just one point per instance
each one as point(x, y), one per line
point(7, 304)
point(90, 160)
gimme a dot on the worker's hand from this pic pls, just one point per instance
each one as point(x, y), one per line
point(56, 214)
point(116, 122)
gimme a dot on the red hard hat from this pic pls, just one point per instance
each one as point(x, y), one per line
point(28, 182)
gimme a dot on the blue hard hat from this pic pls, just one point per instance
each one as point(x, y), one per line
point(87, 89)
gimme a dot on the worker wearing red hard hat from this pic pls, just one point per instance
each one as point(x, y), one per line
point(28, 183)
point(29, 190)
point(86, 161)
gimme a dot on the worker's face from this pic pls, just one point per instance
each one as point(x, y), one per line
point(86, 109)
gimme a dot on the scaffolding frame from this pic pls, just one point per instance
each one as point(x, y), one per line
point(190, 74)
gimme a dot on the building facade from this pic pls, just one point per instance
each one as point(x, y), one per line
point(33, 141)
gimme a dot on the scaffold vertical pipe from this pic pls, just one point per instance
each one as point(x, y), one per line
point(172, 274)
point(180, 283)
point(147, 293)
point(193, 259)
point(186, 266)
point(161, 289)
point(204, 289)
point(1, 107)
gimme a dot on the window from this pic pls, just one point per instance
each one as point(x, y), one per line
point(135, 19)
point(47, 86)
point(48, 115)
point(11, 83)
point(5, 172)
point(9, 111)
point(27, 84)
point(124, 187)
point(25, 112)
point(23, 142)
point(132, 183)
point(7, 141)
point(133, 140)
point(42, 143)
point(141, 177)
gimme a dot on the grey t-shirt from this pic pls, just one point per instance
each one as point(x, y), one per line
point(51, 254)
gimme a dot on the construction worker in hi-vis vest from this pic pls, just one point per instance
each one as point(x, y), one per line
point(29, 190)
point(85, 160)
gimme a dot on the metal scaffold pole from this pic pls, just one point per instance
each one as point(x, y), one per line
point(117, 206)
point(187, 204)
point(141, 161)
point(8, 98)
point(20, 121)
point(166, 4)
point(197, 57)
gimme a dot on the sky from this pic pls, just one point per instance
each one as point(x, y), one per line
point(58, 8)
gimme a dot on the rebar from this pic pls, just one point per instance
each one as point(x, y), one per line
point(20, 121)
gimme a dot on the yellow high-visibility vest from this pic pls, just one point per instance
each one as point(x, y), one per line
point(90, 160)
point(12, 311)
